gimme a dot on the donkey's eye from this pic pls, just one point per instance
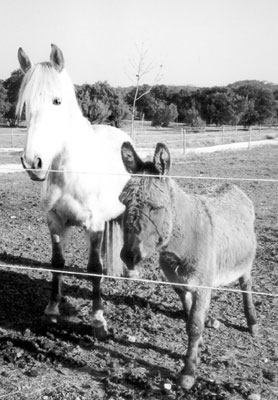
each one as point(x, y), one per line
point(57, 101)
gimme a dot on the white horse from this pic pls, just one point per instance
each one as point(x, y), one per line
point(91, 174)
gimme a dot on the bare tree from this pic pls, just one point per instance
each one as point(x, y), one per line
point(140, 67)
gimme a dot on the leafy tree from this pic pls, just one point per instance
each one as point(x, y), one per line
point(119, 111)
point(165, 114)
point(3, 100)
point(101, 103)
point(265, 106)
point(192, 117)
point(12, 85)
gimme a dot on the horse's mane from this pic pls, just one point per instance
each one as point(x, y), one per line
point(40, 82)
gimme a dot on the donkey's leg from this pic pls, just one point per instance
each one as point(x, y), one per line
point(195, 327)
point(249, 309)
point(57, 233)
point(95, 267)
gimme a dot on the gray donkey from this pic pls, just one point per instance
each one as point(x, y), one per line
point(203, 240)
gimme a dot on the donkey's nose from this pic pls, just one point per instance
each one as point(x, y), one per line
point(131, 257)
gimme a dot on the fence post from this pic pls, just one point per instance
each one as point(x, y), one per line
point(183, 141)
point(250, 137)
point(222, 133)
point(12, 138)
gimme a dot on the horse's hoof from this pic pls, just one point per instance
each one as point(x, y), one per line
point(254, 330)
point(100, 332)
point(186, 381)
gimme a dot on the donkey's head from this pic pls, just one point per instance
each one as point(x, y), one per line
point(49, 99)
point(147, 198)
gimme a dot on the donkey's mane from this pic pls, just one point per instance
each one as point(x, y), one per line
point(42, 81)
point(149, 190)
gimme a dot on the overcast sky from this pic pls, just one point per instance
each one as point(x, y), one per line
point(198, 42)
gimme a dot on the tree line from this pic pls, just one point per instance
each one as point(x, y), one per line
point(242, 103)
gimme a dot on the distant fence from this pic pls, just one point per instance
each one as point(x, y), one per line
point(178, 137)
point(183, 137)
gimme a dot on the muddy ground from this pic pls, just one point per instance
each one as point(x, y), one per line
point(147, 339)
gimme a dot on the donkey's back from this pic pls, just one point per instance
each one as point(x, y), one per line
point(232, 218)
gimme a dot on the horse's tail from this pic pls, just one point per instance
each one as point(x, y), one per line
point(112, 245)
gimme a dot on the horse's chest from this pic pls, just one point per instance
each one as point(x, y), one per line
point(72, 212)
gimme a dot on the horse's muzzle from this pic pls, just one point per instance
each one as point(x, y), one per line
point(35, 171)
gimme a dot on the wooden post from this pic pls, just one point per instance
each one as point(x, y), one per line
point(250, 137)
point(183, 141)
point(12, 138)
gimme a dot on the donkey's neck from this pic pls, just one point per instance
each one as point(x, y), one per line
point(186, 210)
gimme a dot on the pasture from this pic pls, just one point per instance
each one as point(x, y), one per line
point(147, 338)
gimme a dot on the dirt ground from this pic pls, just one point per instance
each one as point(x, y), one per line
point(147, 338)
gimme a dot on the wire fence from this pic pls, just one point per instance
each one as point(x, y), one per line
point(203, 178)
point(139, 280)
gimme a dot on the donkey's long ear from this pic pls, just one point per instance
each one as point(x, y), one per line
point(162, 159)
point(24, 60)
point(57, 58)
point(131, 160)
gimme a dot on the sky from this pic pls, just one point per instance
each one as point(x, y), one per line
point(190, 42)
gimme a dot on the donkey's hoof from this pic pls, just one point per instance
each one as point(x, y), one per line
point(51, 318)
point(100, 332)
point(186, 381)
point(254, 329)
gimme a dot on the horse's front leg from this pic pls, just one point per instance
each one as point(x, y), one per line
point(57, 233)
point(95, 267)
point(195, 327)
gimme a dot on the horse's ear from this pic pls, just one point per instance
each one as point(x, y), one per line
point(162, 159)
point(24, 60)
point(131, 160)
point(57, 58)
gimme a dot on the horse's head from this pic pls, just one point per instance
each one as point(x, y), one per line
point(147, 198)
point(48, 97)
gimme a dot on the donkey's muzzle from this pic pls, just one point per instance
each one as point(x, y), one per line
point(131, 257)
point(35, 170)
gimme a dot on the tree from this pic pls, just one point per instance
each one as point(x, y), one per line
point(101, 103)
point(3, 100)
point(165, 114)
point(192, 117)
point(12, 85)
point(146, 103)
point(140, 68)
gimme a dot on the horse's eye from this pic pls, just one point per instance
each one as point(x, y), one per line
point(57, 101)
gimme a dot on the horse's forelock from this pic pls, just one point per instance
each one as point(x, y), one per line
point(41, 80)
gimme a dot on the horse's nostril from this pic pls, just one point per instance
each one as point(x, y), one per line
point(38, 163)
